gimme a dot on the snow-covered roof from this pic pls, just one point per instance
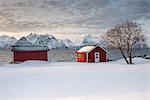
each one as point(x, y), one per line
point(30, 48)
point(86, 49)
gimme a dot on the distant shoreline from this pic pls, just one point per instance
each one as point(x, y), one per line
point(68, 54)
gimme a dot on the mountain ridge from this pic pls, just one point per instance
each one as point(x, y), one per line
point(51, 42)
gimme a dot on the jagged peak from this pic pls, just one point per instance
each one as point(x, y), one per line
point(23, 42)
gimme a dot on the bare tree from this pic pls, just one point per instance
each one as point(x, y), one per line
point(124, 37)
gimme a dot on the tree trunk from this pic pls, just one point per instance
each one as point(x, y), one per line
point(130, 57)
point(124, 56)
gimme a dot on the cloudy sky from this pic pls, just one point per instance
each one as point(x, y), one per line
point(18, 17)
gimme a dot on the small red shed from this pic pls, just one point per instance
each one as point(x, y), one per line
point(91, 54)
point(23, 53)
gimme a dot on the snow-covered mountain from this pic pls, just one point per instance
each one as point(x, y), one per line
point(37, 39)
point(6, 42)
point(67, 42)
point(41, 40)
point(89, 40)
point(23, 42)
point(32, 37)
point(50, 42)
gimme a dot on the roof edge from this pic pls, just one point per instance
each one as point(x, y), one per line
point(94, 48)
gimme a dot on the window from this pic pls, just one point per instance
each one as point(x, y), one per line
point(79, 56)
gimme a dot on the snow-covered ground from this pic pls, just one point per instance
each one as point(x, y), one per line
point(34, 80)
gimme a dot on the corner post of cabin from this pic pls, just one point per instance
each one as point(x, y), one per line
point(87, 57)
point(76, 56)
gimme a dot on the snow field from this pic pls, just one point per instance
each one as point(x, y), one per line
point(34, 80)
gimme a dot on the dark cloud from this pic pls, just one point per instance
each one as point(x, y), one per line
point(30, 15)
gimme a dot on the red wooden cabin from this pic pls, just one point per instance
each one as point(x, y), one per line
point(30, 53)
point(91, 54)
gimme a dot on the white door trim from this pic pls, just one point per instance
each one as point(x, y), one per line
point(97, 57)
